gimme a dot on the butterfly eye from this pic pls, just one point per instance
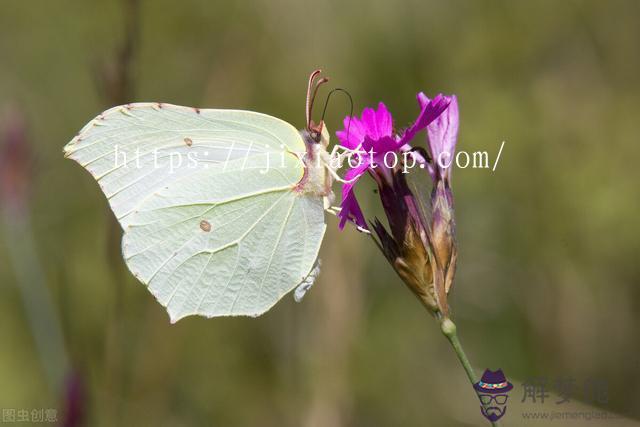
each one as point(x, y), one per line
point(315, 136)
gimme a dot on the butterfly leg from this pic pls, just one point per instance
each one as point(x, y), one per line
point(337, 177)
point(328, 163)
point(335, 210)
point(334, 161)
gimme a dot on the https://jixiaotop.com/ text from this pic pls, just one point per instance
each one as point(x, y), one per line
point(210, 156)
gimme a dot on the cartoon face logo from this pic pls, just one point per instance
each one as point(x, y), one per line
point(492, 390)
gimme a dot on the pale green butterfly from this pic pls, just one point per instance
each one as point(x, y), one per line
point(222, 210)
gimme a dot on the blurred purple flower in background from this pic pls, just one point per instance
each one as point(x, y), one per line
point(15, 161)
point(419, 239)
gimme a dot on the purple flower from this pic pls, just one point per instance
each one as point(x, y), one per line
point(419, 237)
point(372, 137)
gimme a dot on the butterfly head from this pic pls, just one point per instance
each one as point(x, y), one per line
point(316, 135)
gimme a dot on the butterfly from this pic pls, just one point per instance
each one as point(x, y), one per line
point(222, 210)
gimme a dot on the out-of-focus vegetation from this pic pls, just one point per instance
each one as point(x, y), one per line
point(548, 274)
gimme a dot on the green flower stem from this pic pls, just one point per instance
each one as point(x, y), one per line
point(450, 331)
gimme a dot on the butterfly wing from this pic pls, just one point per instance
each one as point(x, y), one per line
point(230, 236)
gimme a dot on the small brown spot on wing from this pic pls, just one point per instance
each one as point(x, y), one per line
point(197, 110)
point(205, 225)
point(188, 141)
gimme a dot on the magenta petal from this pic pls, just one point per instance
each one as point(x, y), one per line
point(352, 135)
point(423, 101)
point(370, 123)
point(429, 111)
point(351, 212)
point(372, 126)
point(350, 207)
point(384, 121)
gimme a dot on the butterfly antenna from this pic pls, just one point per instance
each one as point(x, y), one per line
point(312, 90)
point(307, 110)
point(326, 103)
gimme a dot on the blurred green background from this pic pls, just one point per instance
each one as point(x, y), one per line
point(548, 272)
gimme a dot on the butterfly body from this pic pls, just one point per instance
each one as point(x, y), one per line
point(317, 181)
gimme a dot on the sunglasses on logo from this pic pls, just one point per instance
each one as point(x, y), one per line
point(500, 399)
